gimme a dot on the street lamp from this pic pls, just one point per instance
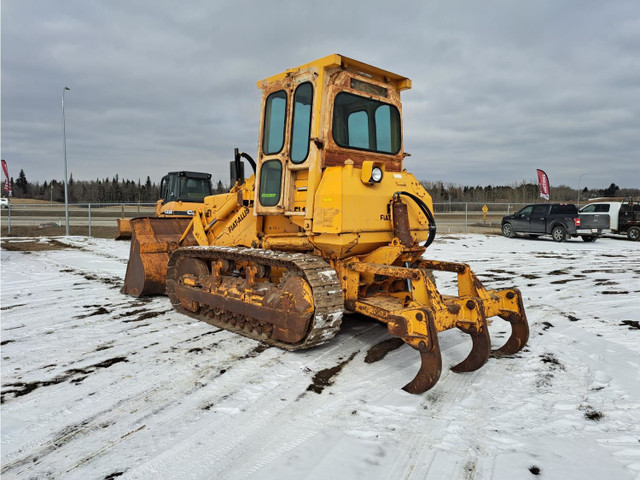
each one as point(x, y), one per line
point(64, 147)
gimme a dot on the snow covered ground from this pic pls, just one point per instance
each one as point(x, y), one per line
point(99, 385)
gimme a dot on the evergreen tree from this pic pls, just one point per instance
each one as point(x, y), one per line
point(22, 183)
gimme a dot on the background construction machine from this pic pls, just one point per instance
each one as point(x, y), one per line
point(180, 194)
point(329, 222)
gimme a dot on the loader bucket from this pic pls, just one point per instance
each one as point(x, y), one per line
point(124, 229)
point(153, 239)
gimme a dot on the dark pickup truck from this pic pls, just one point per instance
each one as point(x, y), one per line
point(555, 219)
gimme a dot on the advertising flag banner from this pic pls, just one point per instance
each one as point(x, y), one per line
point(7, 183)
point(543, 180)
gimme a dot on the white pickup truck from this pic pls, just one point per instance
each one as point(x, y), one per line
point(625, 216)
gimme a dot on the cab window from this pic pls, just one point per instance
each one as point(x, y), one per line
point(270, 181)
point(366, 124)
point(274, 122)
point(301, 129)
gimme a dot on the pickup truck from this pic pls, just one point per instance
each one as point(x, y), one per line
point(625, 216)
point(555, 219)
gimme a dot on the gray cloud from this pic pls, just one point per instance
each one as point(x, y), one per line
point(500, 88)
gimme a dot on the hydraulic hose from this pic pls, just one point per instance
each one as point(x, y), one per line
point(237, 154)
point(428, 213)
point(250, 160)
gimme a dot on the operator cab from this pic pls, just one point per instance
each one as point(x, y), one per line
point(185, 186)
point(335, 111)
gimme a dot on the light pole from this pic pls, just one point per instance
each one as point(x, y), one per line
point(64, 147)
point(580, 178)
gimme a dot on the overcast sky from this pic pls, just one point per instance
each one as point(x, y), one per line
point(500, 88)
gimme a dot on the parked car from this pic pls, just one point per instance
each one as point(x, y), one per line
point(559, 220)
point(4, 202)
point(625, 216)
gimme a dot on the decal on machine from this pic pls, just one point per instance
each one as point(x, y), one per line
point(238, 220)
point(178, 212)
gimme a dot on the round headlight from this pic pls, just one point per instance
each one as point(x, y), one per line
point(376, 174)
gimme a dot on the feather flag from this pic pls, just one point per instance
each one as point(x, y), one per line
point(543, 180)
point(7, 183)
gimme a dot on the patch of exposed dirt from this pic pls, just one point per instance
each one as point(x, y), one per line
point(325, 378)
point(591, 414)
point(74, 375)
point(145, 316)
point(9, 307)
point(113, 475)
point(632, 324)
point(115, 281)
point(99, 311)
point(552, 361)
point(380, 350)
point(559, 272)
point(614, 292)
point(530, 276)
point(33, 245)
point(562, 282)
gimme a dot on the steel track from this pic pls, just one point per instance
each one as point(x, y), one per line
point(322, 278)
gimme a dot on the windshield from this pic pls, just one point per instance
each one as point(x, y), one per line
point(366, 124)
point(194, 189)
point(185, 188)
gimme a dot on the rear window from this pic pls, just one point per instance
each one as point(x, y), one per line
point(564, 209)
point(596, 208)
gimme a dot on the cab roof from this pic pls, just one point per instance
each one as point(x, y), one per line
point(340, 61)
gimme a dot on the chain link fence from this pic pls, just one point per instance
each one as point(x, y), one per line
point(99, 219)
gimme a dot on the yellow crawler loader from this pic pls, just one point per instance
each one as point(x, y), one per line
point(180, 194)
point(329, 222)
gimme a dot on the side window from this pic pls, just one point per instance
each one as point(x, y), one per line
point(589, 208)
point(604, 207)
point(274, 121)
point(539, 211)
point(358, 130)
point(270, 180)
point(525, 212)
point(301, 129)
point(163, 188)
point(384, 130)
point(172, 193)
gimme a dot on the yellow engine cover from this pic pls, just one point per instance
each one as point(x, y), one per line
point(353, 217)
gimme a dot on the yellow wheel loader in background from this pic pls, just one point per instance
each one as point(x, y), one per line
point(180, 194)
point(329, 222)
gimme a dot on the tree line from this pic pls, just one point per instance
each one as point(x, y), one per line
point(107, 190)
point(117, 190)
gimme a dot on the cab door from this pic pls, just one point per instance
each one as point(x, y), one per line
point(286, 150)
point(272, 153)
